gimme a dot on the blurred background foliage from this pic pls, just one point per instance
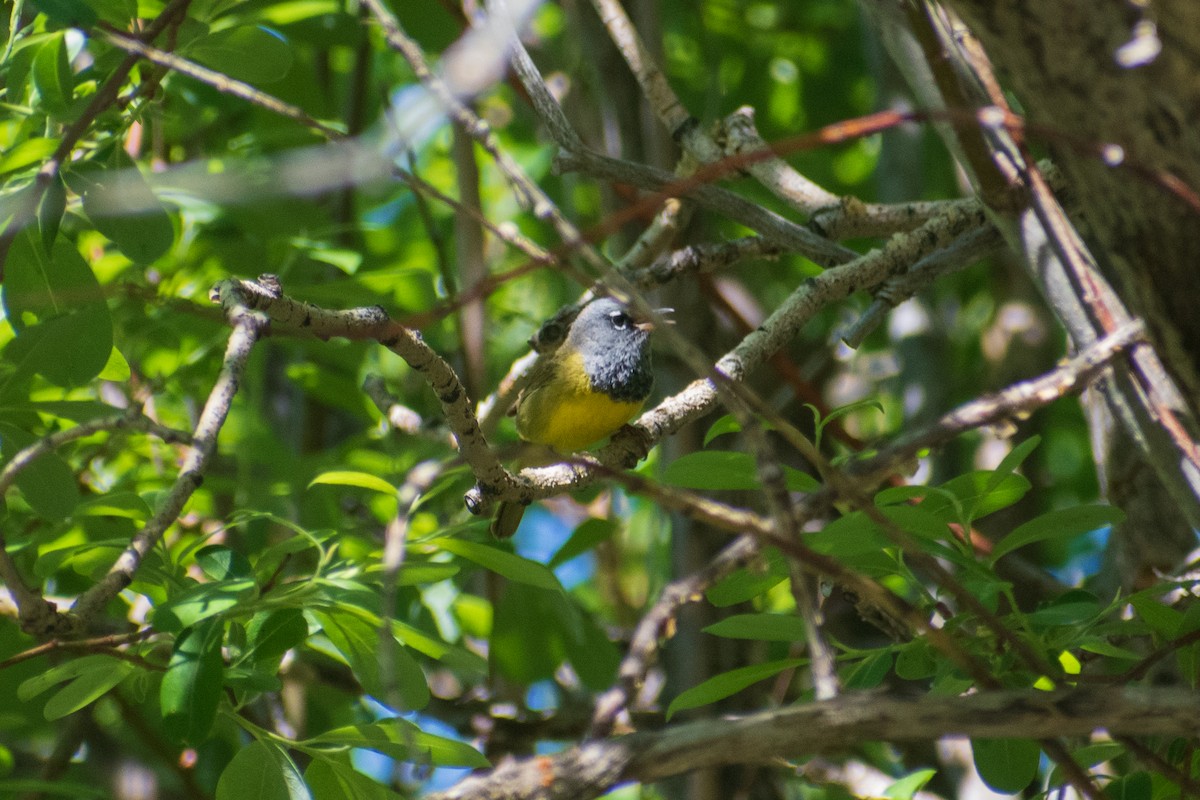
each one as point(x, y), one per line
point(263, 603)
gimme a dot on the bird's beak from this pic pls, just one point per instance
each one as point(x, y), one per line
point(648, 325)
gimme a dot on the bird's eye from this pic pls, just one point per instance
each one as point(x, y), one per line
point(619, 319)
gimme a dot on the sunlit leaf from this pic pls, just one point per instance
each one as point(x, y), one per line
point(273, 633)
point(749, 582)
point(52, 73)
point(402, 740)
point(511, 566)
point(201, 602)
point(361, 480)
point(88, 686)
point(222, 563)
point(909, 785)
point(728, 683)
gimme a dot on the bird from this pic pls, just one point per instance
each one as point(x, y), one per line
point(586, 389)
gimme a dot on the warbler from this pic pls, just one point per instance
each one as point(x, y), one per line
point(585, 390)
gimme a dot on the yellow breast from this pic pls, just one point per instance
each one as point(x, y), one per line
point(565, 413)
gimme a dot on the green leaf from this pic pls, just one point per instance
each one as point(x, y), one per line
point(977, 494)
point(123, 207)
point(1014, 459)
point(88, 686)
point(851, 535)
point(89, 558)
point(1103, 647)
point(1136, 786)
point(245, 53)
point(724, 425)
point(201, 602)
point(53, 301)
point(360, 644)
point(114, 11)
point(523, 652)
point(261, 772)
point(52, 74)
point(763, 627)
point(749, 582)
point(68, 350)
point(40, 282)
point(423, 574)
point(457, 657)
point(721, 686)
point(361, 480)
point(116, 369)
point(57, 788)
point(590, 533)
point(32, 687)
point(47, 483)
point(840, 411)
point(402, 740)
point(32, 151)
point(1064, 523)
point(909, 785)
point(587, 646)
point(511, 566)
point(75, 410)
point(1006, 765)
point(1162, 620)
point(870, 672)
point(191, 688)
point(273, 633)
point(916, 661)
point(73, 13)
point(297, 10)
point(222, 563)
point(335, 780)
point(712, 470)
point(126, 505)
point(51, 209)
point(1073, 608)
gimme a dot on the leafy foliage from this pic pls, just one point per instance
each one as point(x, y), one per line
point(322, 618)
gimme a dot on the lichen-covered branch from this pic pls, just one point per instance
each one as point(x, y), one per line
point(831, 726)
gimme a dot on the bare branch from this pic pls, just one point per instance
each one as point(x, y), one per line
point(248, 326)
point(594, 768)
point(700, 396)
point(222, 83)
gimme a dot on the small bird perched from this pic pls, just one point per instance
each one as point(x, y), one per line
point(585, 390)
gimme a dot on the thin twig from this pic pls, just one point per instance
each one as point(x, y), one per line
point(105, 96)
point(248, 325)
point(219, 81)
point(37, 615)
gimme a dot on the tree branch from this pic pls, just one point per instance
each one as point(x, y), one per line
point(248, 326)
point(594, 768)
